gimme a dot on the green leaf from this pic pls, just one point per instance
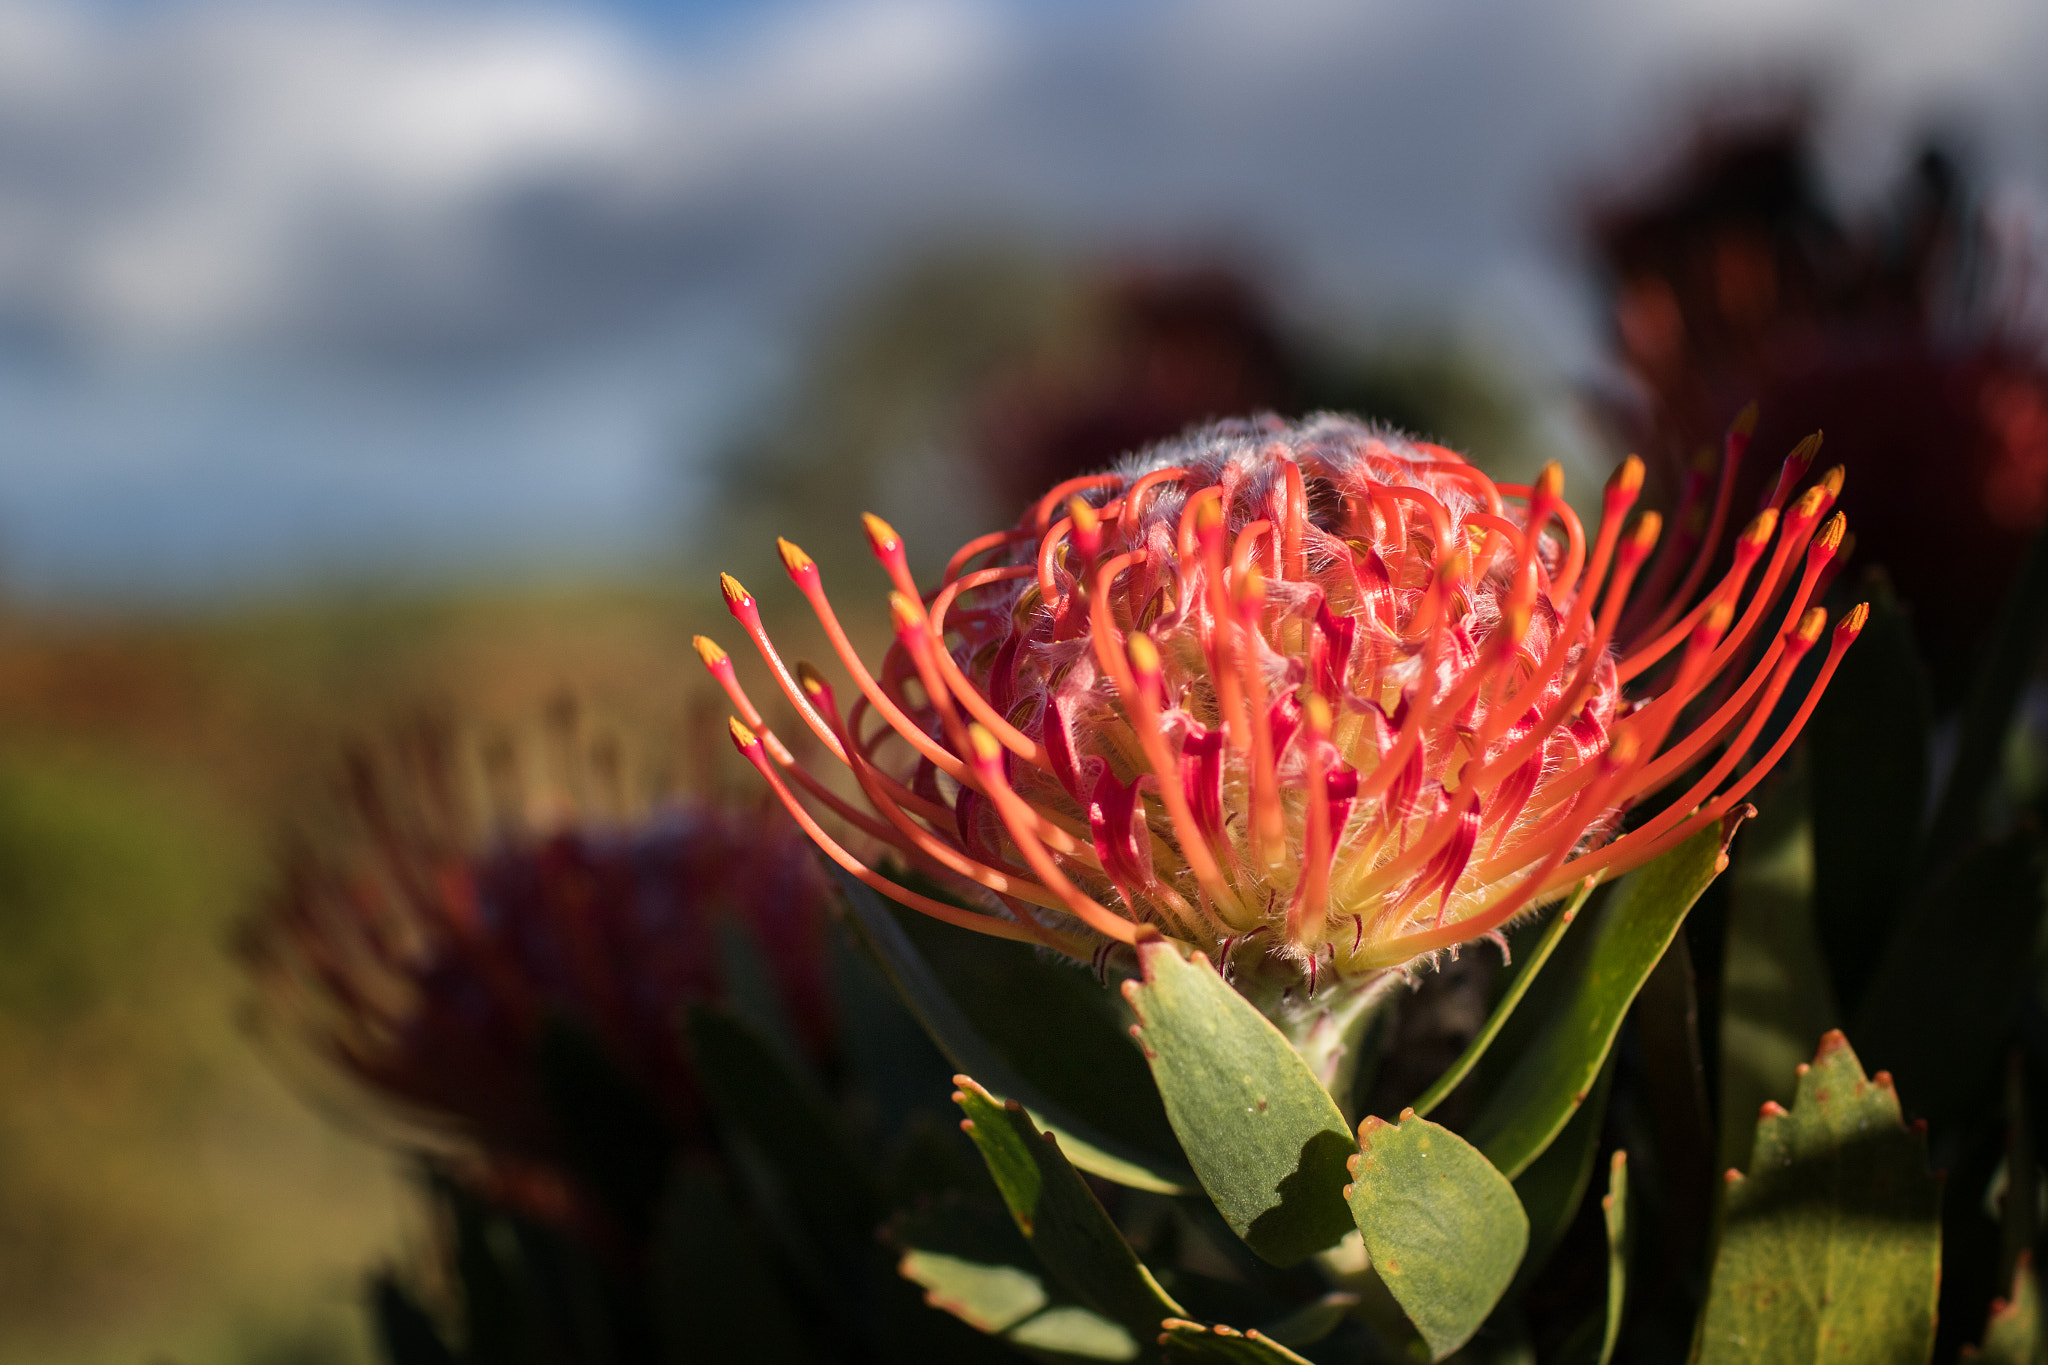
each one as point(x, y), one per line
point(405, 1332)
point(984, 1030)
point(1776, 1000)
point(2019, 1222)
point(989, 1297)
point(1953, 977)
point(611, 1129)
point(1551, 1079)
point(1068, 1332)
point(715, 1293)
point(1831, 1247)
point(1059, 1215)
point(1868, 750)
point(780, 1113)
point(1555, 1184)
point(1441, 1088)
point(1614, 1207)
point(1266, 1140)
point(2014, 1334)
point(1190, 1343)
point(1313, 1321)
point(1987, 715)
point(973, 1265)
point(1442, 1225)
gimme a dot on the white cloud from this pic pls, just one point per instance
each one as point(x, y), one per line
point(220, 172)
point(465, 202)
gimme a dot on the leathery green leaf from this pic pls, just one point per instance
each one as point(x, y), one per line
point(1868, 773)
point(972, 1263)
point(1190, 1343)
point(1266, 1140)
point(1831, 1246)
point(1059, 1215)
point(2013, 1336)
point(1442, 1225)
point(1614, 1209)
point(1956, 969)
point(1453, 1075)
point(1089, 1140)
point(1555, 1184)
point(1776, 997)
point(1554, 1076)
point(1987, 715)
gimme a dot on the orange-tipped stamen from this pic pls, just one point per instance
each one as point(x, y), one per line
point(1749, 548)
point(740, 603)
point(988, 762)
point(719, 665)
point(888, 548)
point(749, 746)
point(1147, 670)
point(1268, 825)
point(1794, 469)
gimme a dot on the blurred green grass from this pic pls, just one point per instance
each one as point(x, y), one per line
point(165, 1195)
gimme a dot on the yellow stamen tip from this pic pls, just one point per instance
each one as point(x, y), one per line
point(709, 652)
point(735, 594)
point(1803, 453)
point(1208, 515)
point(1550, 482)
point(1084, 516)
point(880, 532)
point(1853, 623)
point(1628, 478)
point(906, 614)
point(1649, 526)
point(1759, 531)
point(1252, 587)
point(793, 557)
point(814, 683)
point(1745, 421)
point(1831, 534)
point(1718, 618)
point(1834, 479)
point(1317, 712)
point(741, 735)
point(1811, 624)
point(1809, 502)
point(1623, 751)
point(987, 749)
point(1144, 654)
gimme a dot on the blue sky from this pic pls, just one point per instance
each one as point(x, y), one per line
point(334, 288)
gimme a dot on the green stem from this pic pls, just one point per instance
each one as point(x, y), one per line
point(1517, 988)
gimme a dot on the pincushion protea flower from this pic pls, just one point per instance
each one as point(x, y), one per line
point(421, 954)
point(1312, 692)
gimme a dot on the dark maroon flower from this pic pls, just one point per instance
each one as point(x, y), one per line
point(423, 954)
point(1734, 280)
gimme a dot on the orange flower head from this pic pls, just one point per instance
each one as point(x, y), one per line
point(1314, 687)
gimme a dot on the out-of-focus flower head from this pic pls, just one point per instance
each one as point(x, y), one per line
point(422, 942)
point(1902, 335)
point(1165, 348)
point(1308, 694)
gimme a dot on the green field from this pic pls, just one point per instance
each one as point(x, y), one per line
point(167, 1190)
